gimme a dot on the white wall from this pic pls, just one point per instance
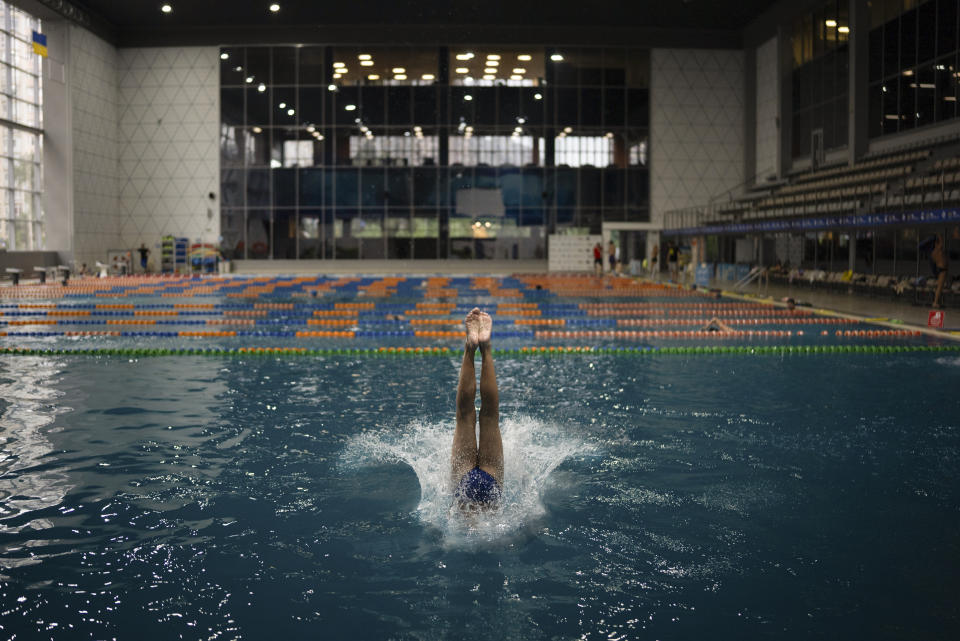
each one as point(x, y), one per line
point(696, 126)
point(767, 133)
point(169, 160)
point(92, 81)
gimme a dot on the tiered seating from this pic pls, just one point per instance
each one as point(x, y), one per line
point(919, 289)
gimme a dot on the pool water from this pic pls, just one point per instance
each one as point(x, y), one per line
point(682, 497)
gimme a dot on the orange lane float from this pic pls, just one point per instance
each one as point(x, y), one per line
point(324, 334)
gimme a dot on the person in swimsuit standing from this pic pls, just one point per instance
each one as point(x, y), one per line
point(476, 465)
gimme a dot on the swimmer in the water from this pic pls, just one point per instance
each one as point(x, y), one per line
point(476, 468)
point(716, 325)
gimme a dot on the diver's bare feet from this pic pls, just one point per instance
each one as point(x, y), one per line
point(486, 327)
point(472, 322)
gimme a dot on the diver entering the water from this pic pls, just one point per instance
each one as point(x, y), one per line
point(476, 465)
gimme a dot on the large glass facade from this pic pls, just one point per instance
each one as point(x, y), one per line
point(428, 152)
point(21, 213)
point(820, 78)
point(914, 64)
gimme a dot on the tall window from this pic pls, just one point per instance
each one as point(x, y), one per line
point(21, 213)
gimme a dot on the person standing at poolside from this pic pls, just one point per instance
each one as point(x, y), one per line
point(476, 466)
point(612, 256)
point(938, 263)
point(144, 252)
point(598, 259)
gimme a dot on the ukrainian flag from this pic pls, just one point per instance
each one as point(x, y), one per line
point(40, 44)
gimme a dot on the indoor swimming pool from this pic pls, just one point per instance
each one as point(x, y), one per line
point(655, 486)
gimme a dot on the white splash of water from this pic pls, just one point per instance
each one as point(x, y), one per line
point(532, 449)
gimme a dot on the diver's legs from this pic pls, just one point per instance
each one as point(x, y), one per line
point(463, 456)
point(941, 279)
point(490, 450)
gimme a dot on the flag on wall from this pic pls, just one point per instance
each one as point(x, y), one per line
point(40, 44)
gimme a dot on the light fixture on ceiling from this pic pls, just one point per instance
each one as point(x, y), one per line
point(843, 29)
point(282, 105)
point(311, 129)
point(364, 56)
point(373, 76)
point(274, 7)
point(261, 87)
point(428, 76)
point(257, 130)
point(331, 87)
point(525, 57)
point(468, 97)
point(490, 70)
point(400, 76)
point(462, 70)
point(338, 65)
point(290, 112)
point(493, 56)
point(557, 57)
point(519, 70)
point(489, 76)
point(350, 108)
point(249, 80)
point(465, 56)
point(224, 56)
point(831, 23)
point(238, 68)
point(399, 70)
point(493, 62)
point(166, 8)
point(609, 134)
point(516, 77)
point(337, 76)
point(908, 72)
point(538, 96)
point(366, 63)
point(521, 120)
point(568, 130)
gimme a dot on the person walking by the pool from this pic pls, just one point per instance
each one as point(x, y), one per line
point(598, 259)
point(938, 263)
point(476, 466)
point(144, 252)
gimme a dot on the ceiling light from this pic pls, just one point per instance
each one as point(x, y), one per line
point(464, 56)
point(373, 76)
point(557, 57)
point(364, 129)
point(525, 57)
point(538, 96)
point(363, 56)
point(224, 55)
point(490, 70)
point(166, 8)
point(462, 70)
point(568, 130)
point(418, 128)
point(282, 105)
point(521, 119)
point(941, 67)
point(492, 63)
point(274, 7)
point(487, 224)
point(400, 76)
point(428, 76)
point(238, 68)
point(290, 112)
point(950, 98)
point(350, 108)
point(519, 70)
point(337, 76)
point(489, 76)
point(493, 56)
point(516, 77)
point(249, 79)
point(469, 129)
point(311, 128)
point(366, 63)
point(908, 72)
point(518, 129)
point(261, 87)
point(843, 29)
point(318, 136)
point(609, 134)
point(337, 65)
point(331, 87)
point(831, 23)
point(399, 70)
point(468, 97)
point(257, 130)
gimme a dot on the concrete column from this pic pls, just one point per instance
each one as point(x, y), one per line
point(750, 116)
point(784, 112)
point(858, 92)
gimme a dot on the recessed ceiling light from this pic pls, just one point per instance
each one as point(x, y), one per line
point(290, 112)
point(318, 136)
point(568, 130)
point(492, 63)
point(257, 130)
point(831, 23)
point(609, 134)
point(366, 63)
point(538, 96)
point(282, 105)
point(311, 128)
point(557, 57)
point(337, 65)
point(464, 56)
point(249, 79)
point(350, 108)
point(224, 55)
point(521, 120)
point(373, 76)
point(490, 70)
point(493, 56)
point(908, 72)
point(399, 70)
point(331, 87)
point(489, 76)
point(261, 87)
point(843, 29)
point(400, 76)
point(166, 8)
point(468, 97)
point(364, 56)
point(516, 77)
point(428, 76)
point(525, 57)
point(519, 70)
point(337, 76)
point(462, 70)
point(274, 7)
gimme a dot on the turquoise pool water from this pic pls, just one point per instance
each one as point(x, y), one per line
point(680, 497)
